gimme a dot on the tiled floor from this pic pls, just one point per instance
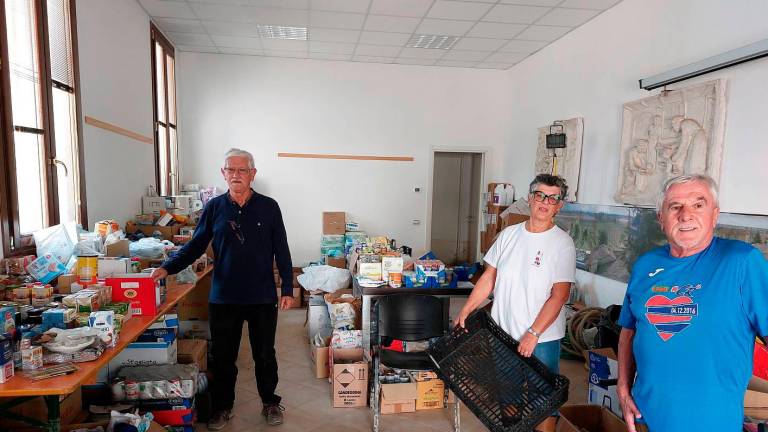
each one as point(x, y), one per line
point(308, 400)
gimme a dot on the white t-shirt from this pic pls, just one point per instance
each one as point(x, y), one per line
point(527, 265)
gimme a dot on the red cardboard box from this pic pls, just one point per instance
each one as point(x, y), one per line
point(140, 291)
point(760, 361)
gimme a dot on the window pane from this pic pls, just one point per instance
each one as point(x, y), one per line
point(66, 152)
point(28, 149)
point(171, 90)
point(162, 153)
point(160, 82)
point(22, 57)
point(174, 159)
point(60, 42)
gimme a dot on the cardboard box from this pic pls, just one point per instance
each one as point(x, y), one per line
point(603, 371)
point(430, 390)
point(756, 399)
point(64, 282)
point(334, 223)
point(350, 384)
point(167, 231)
point(152, 204)
point(319, 357)
point(110, 266)
point(195, 329)
point(193, 351)
point(138, 289)
point(70, 406)
point(760, 361)
point(118, 249)
point(398, 398)
point(194, 306)
point(340, 262)
point(589, 418)
point(144, 354)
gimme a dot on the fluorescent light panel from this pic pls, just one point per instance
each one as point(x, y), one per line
point(282, 32)
point(432, 41)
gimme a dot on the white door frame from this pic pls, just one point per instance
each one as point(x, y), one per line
point(484, 153)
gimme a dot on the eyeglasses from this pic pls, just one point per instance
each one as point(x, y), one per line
point(241, 171)
point(237, 231)
point(540, 196)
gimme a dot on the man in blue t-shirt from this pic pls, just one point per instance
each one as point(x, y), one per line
point(690, 317)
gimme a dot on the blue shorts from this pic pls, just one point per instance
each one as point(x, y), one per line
point(549, 354)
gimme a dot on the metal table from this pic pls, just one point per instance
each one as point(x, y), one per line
point(369, 294)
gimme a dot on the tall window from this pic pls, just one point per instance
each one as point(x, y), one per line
point(39, 150)
point(164, 96)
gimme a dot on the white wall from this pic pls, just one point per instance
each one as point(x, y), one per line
point(116, 87)
point(270, 105)
point(592, 71)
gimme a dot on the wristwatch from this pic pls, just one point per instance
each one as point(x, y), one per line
point(533, 332)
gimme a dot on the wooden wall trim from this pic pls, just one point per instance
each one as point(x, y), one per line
point(348, 157)
point(118, 130)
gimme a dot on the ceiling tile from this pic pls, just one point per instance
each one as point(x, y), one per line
point(329, 56)
point(231, 28)
point(446, 9)
point(502, 66)
point(372, 59)
point(236, 42)
point(179, 25)
point(422, 53)
point(168, 9)
point(281, 53)
point(201, 49)
point(589, 4)
point(543, 33)
point(465, 56)
point(477, 44)
point(496, 30)
point(333, 35)
point(453, 63)
point(331, 47)
point(515, 14)
point(411, 8)
point(523, 46)
point(500, 57)
point(214, 12)
point(377, 50)
point(414, 61)
point(357, 6)
point(548, 3)
point(339, 20)
point(242, 51)
point(288, 4)
point(273, 16)
point(382, 38)
point(567, 17)
point(391, 24)
point(191, 39)
point(443, 27)
point(284, 44)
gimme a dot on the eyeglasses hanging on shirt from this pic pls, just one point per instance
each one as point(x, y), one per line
point(237, 231)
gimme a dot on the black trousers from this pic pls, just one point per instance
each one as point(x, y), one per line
point(226, 321)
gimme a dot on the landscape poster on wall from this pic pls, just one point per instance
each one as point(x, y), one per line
point(609, 239)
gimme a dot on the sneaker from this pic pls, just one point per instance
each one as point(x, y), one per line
point(273, 413)
point(219, 420)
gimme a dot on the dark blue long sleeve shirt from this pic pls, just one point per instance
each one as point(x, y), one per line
point(246, 241)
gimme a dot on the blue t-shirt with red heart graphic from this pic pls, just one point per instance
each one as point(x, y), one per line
point(695, 320)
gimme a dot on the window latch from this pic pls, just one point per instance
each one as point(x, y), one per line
point(62, 164)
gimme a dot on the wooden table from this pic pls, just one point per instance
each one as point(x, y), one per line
point(22, 388)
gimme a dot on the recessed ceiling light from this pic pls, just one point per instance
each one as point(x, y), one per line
point(282, 32)
point(432, 41)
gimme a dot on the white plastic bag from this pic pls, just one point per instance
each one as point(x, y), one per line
point(55, 241)
point(148, 247)
point(324, 278)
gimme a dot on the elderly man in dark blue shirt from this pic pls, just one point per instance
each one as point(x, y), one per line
point(248, 235)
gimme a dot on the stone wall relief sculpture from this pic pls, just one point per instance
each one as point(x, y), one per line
point(675, 132)
point(568, 158)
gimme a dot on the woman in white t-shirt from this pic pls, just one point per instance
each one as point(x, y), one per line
point(530, 268)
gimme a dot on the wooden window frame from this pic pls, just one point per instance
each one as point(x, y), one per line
point(168, 181)
point(13, 242)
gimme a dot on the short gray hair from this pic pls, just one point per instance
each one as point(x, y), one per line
point(236, 152)
point(687, 178)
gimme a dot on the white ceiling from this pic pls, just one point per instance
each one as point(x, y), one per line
point(494, 34)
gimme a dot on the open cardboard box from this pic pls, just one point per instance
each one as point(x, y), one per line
point(756, 399)
point(589, 418)
point(398, 398)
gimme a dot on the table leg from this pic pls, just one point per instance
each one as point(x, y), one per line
point(367, 326)
point(52, 402)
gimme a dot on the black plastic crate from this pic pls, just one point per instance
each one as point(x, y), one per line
point(506, 391)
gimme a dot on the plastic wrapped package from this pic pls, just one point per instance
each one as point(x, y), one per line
point(342, 316)
point(56, 241)
point(186, 276)
point(149, 248)
point(324, 278)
